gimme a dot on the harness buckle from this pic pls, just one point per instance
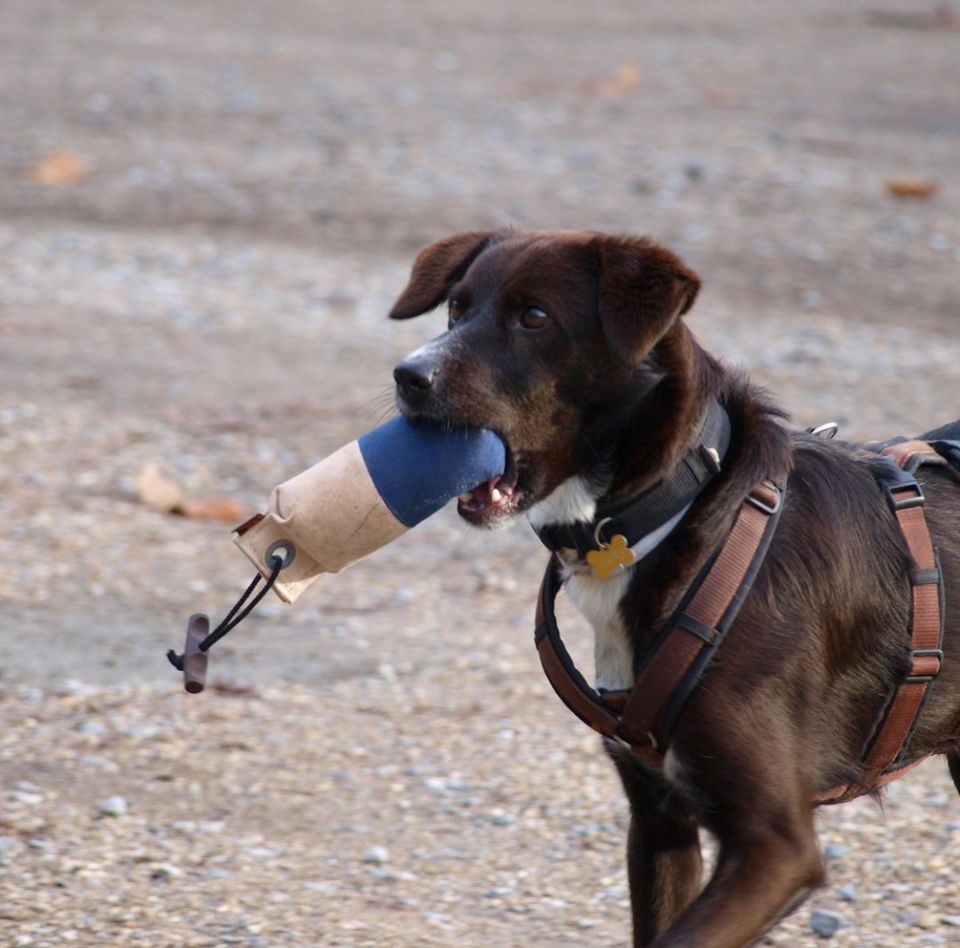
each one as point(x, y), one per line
point(905, 503)
point(756, 499)
point(916, 677)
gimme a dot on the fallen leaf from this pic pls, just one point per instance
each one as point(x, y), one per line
point(912, 186)
point(59, 168)
point(224, 509)
point(627, 79)
point(157, 489)
point(723, 98)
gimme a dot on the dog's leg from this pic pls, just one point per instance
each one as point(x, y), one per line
point(769, 858)
point(953, 762)
point(664, 864)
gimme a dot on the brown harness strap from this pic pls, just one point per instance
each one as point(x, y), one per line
point(909, 455)
point(697, 627)
point(637, 718)
point(892, 735)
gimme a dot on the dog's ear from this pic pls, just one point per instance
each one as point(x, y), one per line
point(644, 288)
point(437, 267)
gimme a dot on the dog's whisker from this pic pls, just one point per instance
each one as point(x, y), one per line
point(382, 407)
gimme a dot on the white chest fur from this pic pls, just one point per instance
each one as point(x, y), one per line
point(575, 501)
point(599, 601)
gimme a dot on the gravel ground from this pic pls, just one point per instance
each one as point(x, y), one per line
point(199, 281)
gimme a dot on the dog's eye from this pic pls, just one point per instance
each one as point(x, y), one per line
point(533, 319)
point(454, 309)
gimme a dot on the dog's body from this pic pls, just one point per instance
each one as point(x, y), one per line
point(570, 345)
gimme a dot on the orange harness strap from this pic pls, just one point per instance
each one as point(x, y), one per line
point(882, 761)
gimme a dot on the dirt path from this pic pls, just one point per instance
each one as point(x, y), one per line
point(243, 190)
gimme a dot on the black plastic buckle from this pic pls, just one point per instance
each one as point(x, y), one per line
point(700, 629)
point(917, 500)
point(936, 653)
point(762, 505)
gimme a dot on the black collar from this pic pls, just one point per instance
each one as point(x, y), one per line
point(639, 516)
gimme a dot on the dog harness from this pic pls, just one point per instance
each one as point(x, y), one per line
point(654, 508)
point(641, 718)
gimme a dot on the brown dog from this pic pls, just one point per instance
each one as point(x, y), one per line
point(570, 344)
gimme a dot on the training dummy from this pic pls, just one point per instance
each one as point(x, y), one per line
point(351, 503)
point(365, 495)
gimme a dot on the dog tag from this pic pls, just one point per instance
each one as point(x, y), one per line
point(608, 559)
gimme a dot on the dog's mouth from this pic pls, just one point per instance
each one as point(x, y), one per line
point(493, 500)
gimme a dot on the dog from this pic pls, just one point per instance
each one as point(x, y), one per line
point(572, 346)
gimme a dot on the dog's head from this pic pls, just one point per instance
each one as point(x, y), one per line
point(552, 338)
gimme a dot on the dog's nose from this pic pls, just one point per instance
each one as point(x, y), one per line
point(415, 378)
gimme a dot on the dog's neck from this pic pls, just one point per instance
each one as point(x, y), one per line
point(623, 495)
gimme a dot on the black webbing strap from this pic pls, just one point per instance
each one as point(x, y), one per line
point(639, 516)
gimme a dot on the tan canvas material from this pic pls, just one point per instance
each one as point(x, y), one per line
point(333, 516)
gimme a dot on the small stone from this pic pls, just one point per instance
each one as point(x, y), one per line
point(587, 923)
point(834, 850)
point(260, 852)
point(811, 299)
point(165, 872)
point(847, 893)
point(377, 855)
point(824, 923)
point(113, 806)
point(952, 920)
point(8, 848)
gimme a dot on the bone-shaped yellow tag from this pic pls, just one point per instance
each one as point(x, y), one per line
point(607, 561)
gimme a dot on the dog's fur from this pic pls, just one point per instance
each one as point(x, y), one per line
point(570, 344)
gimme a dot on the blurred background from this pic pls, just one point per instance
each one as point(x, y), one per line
point(206, 210)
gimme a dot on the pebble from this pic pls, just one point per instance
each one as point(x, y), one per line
point(376, 855)
point(824, 923)
point(847, 892)
point(165, 872)
point(9, 845)
point(113, 806)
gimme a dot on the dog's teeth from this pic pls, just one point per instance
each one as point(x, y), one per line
point(496, 496)
point(465, 497)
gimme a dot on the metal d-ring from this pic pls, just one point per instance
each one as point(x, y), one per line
point(600, 545)
point(827, 430)
point(284, 550)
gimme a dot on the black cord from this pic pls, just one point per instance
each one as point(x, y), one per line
point(231, 620)
point(228, 623)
